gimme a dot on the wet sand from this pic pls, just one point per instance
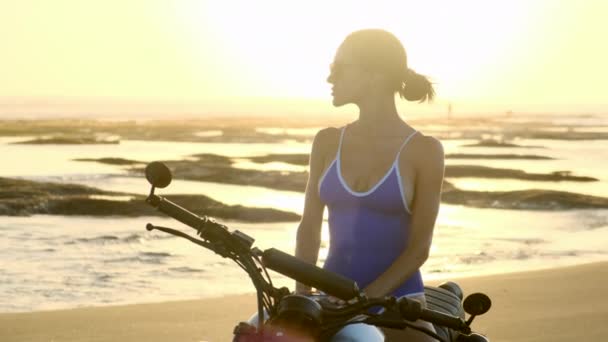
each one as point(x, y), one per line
point(562, 304)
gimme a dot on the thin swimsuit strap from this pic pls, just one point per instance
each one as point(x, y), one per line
point(407, 139)
point(394, 167)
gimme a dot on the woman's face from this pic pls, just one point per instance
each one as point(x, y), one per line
point(350, 81)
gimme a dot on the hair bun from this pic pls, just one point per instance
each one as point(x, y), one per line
point(416, 87)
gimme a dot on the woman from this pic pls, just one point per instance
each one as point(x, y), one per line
point(379, 177)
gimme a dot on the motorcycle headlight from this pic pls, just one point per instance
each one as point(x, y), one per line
point(298, 313)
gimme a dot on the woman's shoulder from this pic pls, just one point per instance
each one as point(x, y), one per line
point(428, 143)
point(328, 133)
point(327, 138)
point(427, 150)
point(326, 142)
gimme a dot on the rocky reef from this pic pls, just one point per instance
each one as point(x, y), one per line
point(23, 198)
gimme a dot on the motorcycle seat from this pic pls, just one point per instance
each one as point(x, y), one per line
point(447, 299)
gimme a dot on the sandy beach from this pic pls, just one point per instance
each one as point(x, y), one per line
point(452, 114)
point(562, 304)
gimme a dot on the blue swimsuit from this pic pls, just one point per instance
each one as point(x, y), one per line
point(368, 230)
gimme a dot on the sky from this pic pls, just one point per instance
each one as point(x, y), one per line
point(273, 56)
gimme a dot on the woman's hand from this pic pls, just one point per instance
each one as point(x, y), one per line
point(303, 289)
point(339, 302)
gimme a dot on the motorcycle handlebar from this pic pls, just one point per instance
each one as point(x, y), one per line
point(442, 319)
point(274, 259)
point(412, 310)
point(328, 282)
point(206, 229)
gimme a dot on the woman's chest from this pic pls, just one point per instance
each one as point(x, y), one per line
point(363, 165)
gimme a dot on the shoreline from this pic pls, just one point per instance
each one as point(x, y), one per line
point(530, 304)
point(428, 279)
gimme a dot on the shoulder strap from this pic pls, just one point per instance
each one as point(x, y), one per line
point(409, 137)
point(340, 143)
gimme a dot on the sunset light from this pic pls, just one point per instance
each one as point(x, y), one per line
point(506, 55)
point(240, 170)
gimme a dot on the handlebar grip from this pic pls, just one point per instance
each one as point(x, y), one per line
point(412, 310)
point(306, 273)
point(444, 320)
point(185, 216)
point(181, 214)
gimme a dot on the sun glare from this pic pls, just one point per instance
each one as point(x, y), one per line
point(221, 54)
point(282, 50)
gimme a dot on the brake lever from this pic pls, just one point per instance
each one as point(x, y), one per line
point(218, 249)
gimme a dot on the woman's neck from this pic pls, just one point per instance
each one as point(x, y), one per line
point(378, 115)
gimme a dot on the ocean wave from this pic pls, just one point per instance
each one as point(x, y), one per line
point(186, 269)
point(573, 253)
point(133, 238)
point(99, 239)
point(104, 277)
point(44, 250)
point(151, 258)
point(525, 241)
point(533, 199)
point(133, 260)
point(522, 255)
point(138, 238)
point(437, 270)
point(113, 239)
point(477, 258)
point(591, 221)
point(147, 236)
point(557, 254)
point(485, 257)
point(155, 254)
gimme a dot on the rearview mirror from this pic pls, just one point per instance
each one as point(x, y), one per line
point(477, 304)
point(158, 174)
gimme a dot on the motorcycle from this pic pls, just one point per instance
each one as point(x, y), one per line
point(287, 316)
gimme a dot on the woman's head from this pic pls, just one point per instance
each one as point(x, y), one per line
point(374, 60)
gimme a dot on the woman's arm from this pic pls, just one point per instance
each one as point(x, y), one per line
point(309, 231)
point(429, 169)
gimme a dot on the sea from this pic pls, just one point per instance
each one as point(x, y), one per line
point(50, 262)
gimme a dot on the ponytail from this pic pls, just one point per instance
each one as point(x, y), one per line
point(416, 87)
